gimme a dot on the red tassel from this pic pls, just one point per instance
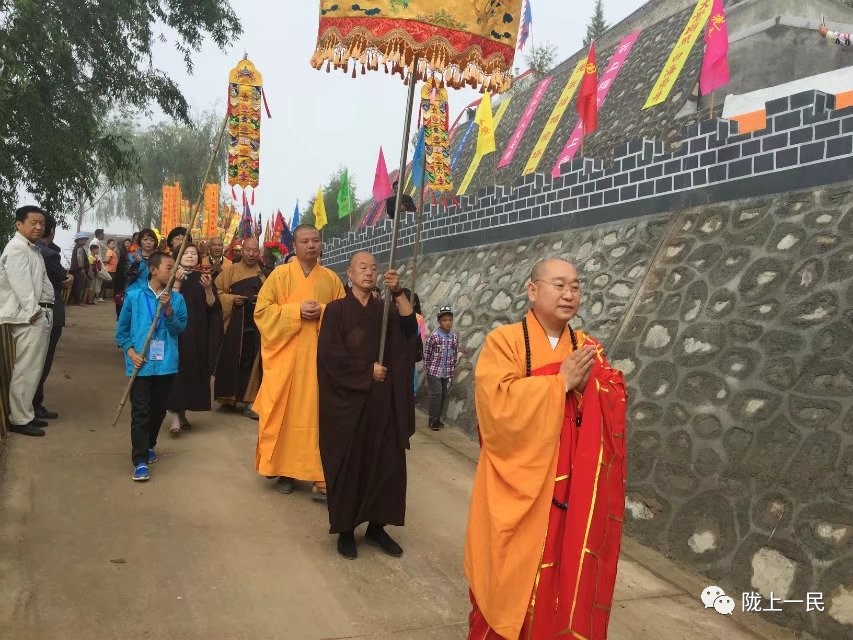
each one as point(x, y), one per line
point(266, 106)
point(233, 194)
point(253, 197)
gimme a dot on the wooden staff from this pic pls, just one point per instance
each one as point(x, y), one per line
point(395, 227)
point(156, 319)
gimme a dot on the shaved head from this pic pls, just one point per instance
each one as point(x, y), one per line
point(304, 228)
point(554, 292)
point(251, 243)
point(357, 255)
point(361, 272)
point(541, 268)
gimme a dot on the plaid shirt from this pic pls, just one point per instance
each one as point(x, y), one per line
point(441, 353)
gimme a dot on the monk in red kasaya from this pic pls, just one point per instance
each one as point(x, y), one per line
point(545, 524)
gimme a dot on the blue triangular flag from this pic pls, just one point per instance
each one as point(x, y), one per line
point(294, 222)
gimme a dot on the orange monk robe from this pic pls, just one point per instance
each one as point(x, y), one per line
point(288, 400)
point(521, 420)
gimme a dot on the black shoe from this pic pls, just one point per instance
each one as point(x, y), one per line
point(285, 485)
point(26, 429)
point(39, 424)
point(44, 414)
point(346, 546)
point(434, 426)
point(376, 535)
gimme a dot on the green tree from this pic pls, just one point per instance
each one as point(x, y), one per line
point(597, 25)
point(165, 153)
point(541, 58)
point(336, 226)
point(65, 66)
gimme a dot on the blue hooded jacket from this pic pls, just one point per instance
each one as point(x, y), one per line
point(137, 314)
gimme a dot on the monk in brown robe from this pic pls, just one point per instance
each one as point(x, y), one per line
point(367, 408)
point(238, 368)
point(545, 524)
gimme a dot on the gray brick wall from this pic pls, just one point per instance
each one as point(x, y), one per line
point(804, 135)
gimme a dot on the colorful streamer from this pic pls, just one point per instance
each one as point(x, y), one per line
point(478, 157)
point(617, 61)
point(524, 123)
point(556, 115)
point(675, 63)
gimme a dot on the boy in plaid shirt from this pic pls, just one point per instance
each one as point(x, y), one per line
point(440, 355)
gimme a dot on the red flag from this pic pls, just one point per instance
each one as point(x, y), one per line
point(715, 64)
point(588, 97)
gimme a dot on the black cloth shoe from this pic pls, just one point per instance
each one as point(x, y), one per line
point(285, 485)
point(44, 414)
point(26, 429)
point(39, 424)
point(433, 426)
point(346, 546)
point(376, 535)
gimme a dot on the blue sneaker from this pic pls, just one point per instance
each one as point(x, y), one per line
point(152, 456)
point(140, 473)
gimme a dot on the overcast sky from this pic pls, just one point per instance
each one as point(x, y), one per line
point(319, 120)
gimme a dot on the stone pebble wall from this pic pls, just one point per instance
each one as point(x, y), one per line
point(734, 326)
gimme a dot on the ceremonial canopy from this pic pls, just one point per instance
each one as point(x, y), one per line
point(470, 42)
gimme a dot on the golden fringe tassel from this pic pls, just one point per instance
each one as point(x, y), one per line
point(436, 57)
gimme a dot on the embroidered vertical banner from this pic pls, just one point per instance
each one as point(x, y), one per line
point(556, 115)
point(526, 119)
point(617, 61)
point(675, 63)
point(475, 163)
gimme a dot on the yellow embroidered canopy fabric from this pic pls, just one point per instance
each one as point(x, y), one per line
point(470, 42)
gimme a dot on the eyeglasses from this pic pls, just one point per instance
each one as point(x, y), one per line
point(561, 288)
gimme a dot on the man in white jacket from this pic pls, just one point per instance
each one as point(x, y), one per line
point(26, 306)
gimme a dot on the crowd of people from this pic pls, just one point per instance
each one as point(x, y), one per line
point(291, 345)
point(329, 414)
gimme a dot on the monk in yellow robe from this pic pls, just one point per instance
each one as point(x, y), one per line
point(290, 306)
point(545, 524)
point(238, 368)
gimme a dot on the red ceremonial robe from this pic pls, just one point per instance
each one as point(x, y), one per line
point(573, 589)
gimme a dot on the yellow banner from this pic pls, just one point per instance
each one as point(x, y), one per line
point(556, 115)
point(475, 163)
point(675, 63)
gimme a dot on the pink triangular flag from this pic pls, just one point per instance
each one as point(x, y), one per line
point(715, 65)
point(382, 182)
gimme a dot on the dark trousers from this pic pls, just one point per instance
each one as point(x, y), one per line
point(148, 398)
point(55, 334)
point(438, 397)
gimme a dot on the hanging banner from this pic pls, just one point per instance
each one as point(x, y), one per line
point(462, 143)
point(556, 115)
point(435, 111)
point(617, 61)
point(245, 92)
point(675, 63)
point(211, 210)
point(526, 119)
point(475, 163)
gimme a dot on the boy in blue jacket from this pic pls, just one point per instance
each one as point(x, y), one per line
point(150, 391)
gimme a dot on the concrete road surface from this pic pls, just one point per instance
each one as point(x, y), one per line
point(207, 549)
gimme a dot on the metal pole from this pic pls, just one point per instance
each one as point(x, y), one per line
point(404, 157)
point(418, 220)
point(156, 319)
